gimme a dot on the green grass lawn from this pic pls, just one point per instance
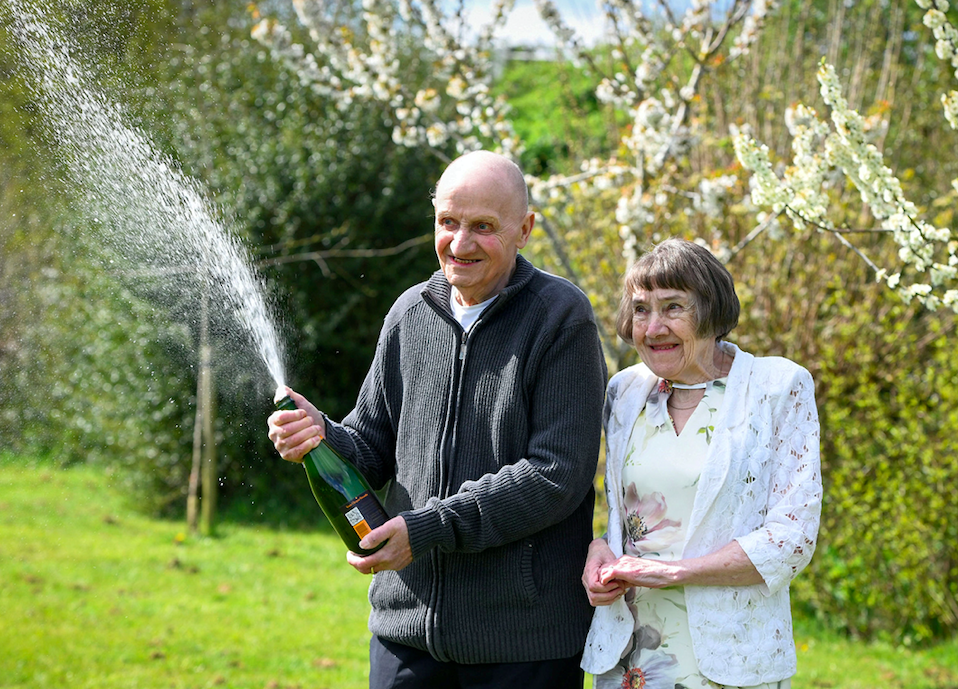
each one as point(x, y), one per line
point(94, 595)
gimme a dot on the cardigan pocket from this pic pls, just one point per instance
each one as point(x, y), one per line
point(530, 590)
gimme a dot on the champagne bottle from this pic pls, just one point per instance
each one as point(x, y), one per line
point(342, 492)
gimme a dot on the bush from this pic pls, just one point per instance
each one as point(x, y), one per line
point(884, 372)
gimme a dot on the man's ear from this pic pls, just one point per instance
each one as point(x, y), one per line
point(526, 231)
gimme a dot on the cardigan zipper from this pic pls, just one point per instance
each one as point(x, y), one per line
point(434, 641)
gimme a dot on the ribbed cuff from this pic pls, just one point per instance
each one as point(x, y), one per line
point(424, 527)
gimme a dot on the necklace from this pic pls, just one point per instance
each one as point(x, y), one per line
point(683, 386)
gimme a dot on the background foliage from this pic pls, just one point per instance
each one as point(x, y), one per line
point(95, 367)
point(116, 351)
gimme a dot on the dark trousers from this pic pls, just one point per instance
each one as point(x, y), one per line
point(395, 666)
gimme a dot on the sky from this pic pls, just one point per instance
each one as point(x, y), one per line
point(525, 27)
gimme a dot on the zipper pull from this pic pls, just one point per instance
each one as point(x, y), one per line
point(462, 346)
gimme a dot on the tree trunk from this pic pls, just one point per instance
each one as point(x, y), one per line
point(204, 446)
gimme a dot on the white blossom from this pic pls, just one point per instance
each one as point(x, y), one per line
point(751, 27)
point(452, 106)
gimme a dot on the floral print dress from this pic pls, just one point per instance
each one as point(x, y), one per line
point(660, 478)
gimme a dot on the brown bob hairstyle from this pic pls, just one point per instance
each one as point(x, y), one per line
point(683, 265)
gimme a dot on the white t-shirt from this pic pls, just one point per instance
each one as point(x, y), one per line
point(467, 315)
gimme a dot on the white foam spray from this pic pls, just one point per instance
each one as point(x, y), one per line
point(153, 215)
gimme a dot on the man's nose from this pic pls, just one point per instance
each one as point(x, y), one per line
point(461, 239)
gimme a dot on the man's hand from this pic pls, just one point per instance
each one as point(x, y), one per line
point(295, 432)
point(395, 555)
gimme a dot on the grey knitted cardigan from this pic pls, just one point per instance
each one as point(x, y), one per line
point(487, 445)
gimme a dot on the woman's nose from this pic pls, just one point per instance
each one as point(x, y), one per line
point(656, 324)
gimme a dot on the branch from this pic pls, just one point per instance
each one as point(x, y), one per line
point(856, 250)
point(837, 234)
point(736, 13)
point(318, 256)
point(559, 246)
point(754, 233)
point(558, 181)
point(823, 228)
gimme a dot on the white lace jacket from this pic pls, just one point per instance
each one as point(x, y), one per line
point(761, 486)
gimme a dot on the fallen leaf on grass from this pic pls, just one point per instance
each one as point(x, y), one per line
point(176, 564)
point(942, 676)
point(324, 663)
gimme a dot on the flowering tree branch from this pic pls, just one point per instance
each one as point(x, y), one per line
point(928, 252)
point(450, 108)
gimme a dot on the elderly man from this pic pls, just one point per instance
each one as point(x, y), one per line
point(480, 415)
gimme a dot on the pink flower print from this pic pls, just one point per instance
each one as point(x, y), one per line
point(646, 528)
point(650, 670)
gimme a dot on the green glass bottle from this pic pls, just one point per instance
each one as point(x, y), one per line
point(342, 492)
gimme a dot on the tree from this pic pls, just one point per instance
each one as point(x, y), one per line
point(336, 217)
point(183, 123)
point(72, 385)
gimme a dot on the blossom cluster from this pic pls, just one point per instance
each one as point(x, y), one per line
point(658, 117)
point(565, 36)
point(752, 26)
point(802, 192)
point(946, 47)
point(453, 105)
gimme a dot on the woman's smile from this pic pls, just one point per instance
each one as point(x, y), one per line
point(665, 335)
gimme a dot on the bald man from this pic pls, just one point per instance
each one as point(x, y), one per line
point(480, 418)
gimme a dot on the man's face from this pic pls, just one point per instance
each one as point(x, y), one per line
point(480, 227)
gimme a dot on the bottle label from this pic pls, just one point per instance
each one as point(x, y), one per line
point(364, 514)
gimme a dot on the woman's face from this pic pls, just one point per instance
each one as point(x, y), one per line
point(663, 332)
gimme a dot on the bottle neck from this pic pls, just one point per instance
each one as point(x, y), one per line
point(286, 403)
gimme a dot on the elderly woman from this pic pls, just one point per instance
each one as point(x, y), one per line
point(714, 488)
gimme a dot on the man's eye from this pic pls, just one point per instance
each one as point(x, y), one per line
point(484, 227)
